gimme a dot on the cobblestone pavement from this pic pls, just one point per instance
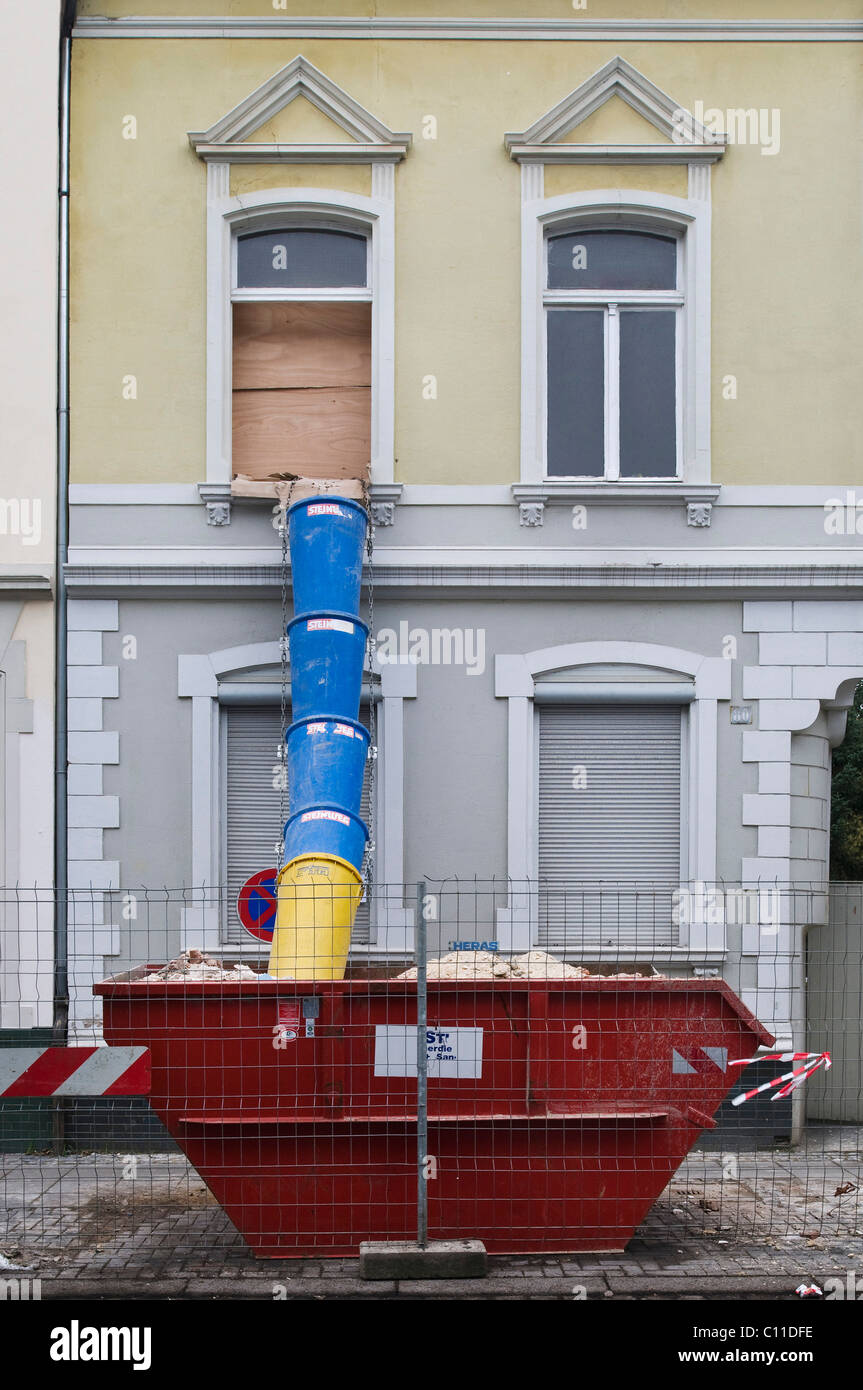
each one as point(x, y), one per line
point(736, 1225)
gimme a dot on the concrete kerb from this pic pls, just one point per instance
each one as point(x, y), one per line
point(491, 1288)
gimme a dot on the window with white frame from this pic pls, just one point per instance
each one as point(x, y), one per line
point(613, 315)
point(609, 823)
point(301, 292)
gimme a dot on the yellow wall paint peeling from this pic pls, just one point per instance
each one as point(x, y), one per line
point(257, 178)
point(300, 121)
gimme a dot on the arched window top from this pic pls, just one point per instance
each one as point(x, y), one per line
point(302, 257)
point(605, 258)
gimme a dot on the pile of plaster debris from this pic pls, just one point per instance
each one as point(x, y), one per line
point(194, 965)
point(487, 965)
point(455, 965)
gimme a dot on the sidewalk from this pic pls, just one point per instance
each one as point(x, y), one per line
point(119, 1226)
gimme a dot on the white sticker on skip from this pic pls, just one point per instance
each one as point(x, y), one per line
point(450, 1051)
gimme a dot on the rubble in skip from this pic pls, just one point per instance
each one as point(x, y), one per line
point(488, 965)
point(194, 965)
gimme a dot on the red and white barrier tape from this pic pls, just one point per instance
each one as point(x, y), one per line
point(791, 1079)
point(74, 1071)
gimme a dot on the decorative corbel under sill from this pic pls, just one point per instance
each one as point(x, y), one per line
point(383, 498)
point(217, 499)
point(532, 498)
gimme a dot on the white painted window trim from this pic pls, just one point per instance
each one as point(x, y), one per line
point(686, 218)
point(263, 296)
point(199, 677)
point(226, 216)
point(515, 681)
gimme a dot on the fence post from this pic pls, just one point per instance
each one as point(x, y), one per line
point(422, 1072)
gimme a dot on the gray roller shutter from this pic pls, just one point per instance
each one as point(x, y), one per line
point(251, 807)
point(609, 851)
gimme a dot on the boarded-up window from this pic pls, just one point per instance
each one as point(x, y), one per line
point(302, 368)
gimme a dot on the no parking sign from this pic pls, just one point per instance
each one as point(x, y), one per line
point(256, 905)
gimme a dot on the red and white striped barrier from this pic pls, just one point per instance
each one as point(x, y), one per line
point(791, 1079)
point(74, 1071)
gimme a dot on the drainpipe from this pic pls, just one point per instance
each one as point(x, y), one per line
point(61, 916)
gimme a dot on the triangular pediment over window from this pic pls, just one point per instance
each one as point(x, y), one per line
point(574, 130)
point(244, 134)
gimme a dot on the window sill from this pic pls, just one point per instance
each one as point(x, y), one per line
point(532, 498)
point(218, 500)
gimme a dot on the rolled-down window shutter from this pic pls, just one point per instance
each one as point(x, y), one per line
point(609, 824)
point(252, 734)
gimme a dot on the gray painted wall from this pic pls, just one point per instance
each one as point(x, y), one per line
point(625, 523)
point(455, 730)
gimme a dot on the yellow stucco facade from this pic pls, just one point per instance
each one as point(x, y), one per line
point(786, 233)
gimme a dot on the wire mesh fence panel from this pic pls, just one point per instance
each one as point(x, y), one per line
point(834, 969)
point(539, 1092)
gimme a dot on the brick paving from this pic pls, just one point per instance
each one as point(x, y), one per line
point(752, 1225)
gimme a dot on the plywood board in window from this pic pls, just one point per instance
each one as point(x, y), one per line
point(279, 344)
point(321, 433)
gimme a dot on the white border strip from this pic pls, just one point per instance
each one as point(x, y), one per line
point(255, 558)
point(134, 495)
point(580, 30)
point(459, 495)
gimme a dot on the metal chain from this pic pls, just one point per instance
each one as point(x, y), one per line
point(282, 751)
point(368, 858)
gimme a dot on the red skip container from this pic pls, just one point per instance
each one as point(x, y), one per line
point(558, 1109)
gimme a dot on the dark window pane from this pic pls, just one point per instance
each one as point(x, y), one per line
point(590, 260)
point(576, 393)
point(647, 410)
point(309, 258)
